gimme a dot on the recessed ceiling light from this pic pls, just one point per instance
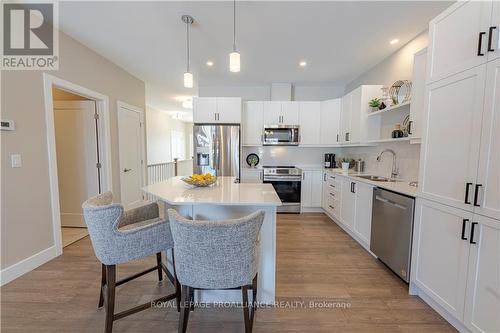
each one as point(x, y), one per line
point(302, 64)
point(210, 63)
point(394, 41)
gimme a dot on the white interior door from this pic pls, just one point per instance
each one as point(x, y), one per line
point(131, 149)
point(77, 158)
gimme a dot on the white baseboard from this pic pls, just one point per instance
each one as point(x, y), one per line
point(311, 210)
point(24, 266)
point(439, 309)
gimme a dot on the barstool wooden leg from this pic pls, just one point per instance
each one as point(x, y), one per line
point(248, 324)
point(103, 283)
point(158, 263)
point(254, 299)
point(110, 297)
point(177, 285)
point(185, 308)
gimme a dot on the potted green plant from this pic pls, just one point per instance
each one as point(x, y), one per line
point(346, 162)
point(374, 104)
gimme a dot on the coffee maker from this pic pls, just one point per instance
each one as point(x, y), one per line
point(329, 161)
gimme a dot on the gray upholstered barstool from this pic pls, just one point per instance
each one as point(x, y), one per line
point(216, 255)
point(119, 237)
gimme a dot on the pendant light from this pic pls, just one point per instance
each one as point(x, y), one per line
point(188, 76)
point(234, 57)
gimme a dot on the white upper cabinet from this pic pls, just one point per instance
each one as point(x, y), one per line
point(494, 31)
point(217, 110)
point(229, 110)
point(488, 179)
point(440, 255)
point(482, 306)
point(417, 94)
point(450, 146)
point(345, 118)
point(330, 121)
point(252, 123)
point(310, 122)
point(204, 110)
point(272, 113)
point(458, 39)
point(290, 113)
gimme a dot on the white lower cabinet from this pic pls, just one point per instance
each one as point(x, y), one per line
point(251, 175)
point(456, 263)
point(482, 302)
point(363, 212)
point(310, 188)
point(350, 203)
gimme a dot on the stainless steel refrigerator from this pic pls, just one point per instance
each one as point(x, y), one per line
point(217, 150)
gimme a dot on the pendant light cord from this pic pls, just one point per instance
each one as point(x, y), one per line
point(234, 25)
point(187, 33)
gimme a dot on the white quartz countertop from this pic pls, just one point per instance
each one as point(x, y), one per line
point(397, 186)
point(225, 192)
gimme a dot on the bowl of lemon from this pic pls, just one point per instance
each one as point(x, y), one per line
point(202, 180)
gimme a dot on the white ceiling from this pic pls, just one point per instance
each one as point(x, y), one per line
point(339, 40)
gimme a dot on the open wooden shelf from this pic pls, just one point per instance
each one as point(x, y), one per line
point(388, 109)
point(389, 140)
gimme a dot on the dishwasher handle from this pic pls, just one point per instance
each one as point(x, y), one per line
point(390, 202)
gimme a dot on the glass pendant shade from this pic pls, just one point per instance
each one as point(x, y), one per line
point(188, 80)
point(234, 62)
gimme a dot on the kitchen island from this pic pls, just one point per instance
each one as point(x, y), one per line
point(227, 200)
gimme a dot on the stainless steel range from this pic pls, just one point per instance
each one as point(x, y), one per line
point(286, 180)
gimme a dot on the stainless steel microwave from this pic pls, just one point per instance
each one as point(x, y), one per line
point(281, 135)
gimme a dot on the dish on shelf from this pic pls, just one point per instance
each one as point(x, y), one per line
point(400, 92)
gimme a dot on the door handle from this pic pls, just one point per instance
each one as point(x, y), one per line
point(476, 195)
point(490, 39)
point(480, 43)
point(127, 170)
point(467, 188)
point(464, 224)
point(472, 228)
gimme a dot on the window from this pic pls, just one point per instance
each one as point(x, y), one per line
point(178, 142)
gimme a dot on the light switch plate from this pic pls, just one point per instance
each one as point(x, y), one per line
point(16, 160)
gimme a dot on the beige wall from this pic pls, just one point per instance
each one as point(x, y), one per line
point(395, 67)
point(26, 226)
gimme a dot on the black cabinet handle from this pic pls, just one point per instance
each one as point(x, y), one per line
point(409, 126)
point(480, 43)
point(476, 195)
point(490, 39)
point(353, 190)
point(348, 136)
point(467, 188)
point(337, 138)
point(464, 224)
point(472, 228)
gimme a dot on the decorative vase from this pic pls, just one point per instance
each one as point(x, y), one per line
point(382, 106)
point(345, 166)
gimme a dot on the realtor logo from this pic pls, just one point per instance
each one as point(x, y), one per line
point(29, 38)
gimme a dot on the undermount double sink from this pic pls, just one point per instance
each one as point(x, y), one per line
point(376, 178)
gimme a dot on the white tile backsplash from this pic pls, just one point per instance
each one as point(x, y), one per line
point(407, 157)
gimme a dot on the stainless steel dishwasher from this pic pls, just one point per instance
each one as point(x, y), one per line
point(392, 228)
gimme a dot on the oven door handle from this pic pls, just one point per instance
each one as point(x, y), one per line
point(282, 179)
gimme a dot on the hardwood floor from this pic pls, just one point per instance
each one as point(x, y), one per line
point(317, 262)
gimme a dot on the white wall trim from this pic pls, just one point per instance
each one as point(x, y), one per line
point(123, 105)
point(24, 266)
point(102, 106)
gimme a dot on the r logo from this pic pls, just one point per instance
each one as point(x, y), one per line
point(27, 29)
